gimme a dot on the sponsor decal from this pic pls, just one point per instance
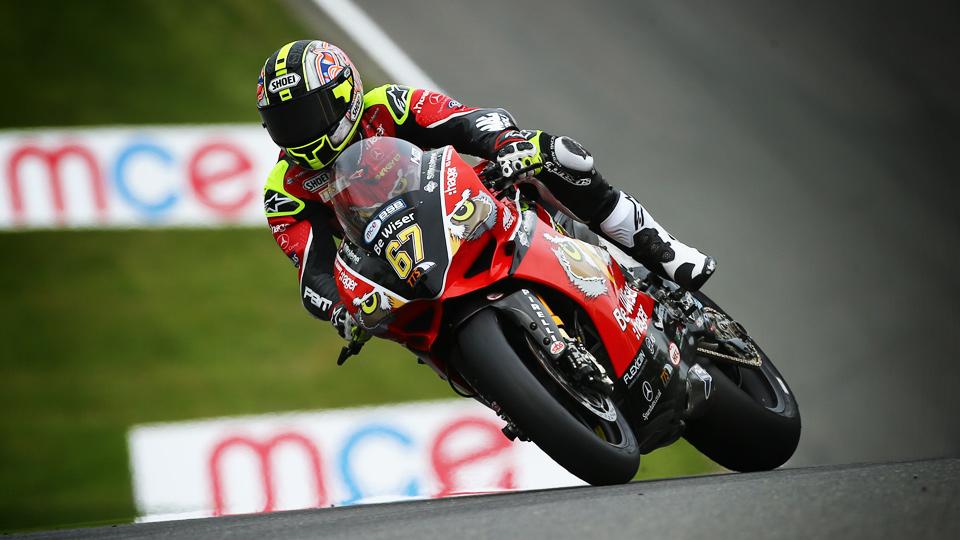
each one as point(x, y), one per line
point(279, 228)
point(347, 251)
point(451, 181)
point(347, 282)
point(397, 99)
point(630, 376)
point(620, 315)
point(639, 324)
point(628, 298)
point(454, 104)
point(316, 299)
point(493, 122)
point(283, 82)
point(557, 347)
point(372, 229)
point(277, 203)
point(647, 391)
point(545, 323)
point(396, 224)
point(419, 272)
point(665, 374)
point(418, 107)
point(391, 209)
point(389, 229)
point(295, 259)
point(430, 187)
point(432, 166)
point(649, 411)
point(388, 167)
point(674, 354)
point(356, 106)
point(316, 183)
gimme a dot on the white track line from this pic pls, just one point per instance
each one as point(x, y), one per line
point(376, 43)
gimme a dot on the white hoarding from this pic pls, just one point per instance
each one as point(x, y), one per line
point(147, 176)
point(330, 458)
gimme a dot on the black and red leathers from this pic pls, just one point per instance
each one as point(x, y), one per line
point(303, 222)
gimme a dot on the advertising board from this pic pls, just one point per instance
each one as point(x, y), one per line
point(147, 176)
point(330, 458)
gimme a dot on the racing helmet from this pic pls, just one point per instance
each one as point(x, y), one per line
point(310, 99)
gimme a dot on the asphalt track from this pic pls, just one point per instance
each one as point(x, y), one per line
point(914, 500)
point(813, 148)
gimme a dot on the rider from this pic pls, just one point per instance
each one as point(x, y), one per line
point(312, 104)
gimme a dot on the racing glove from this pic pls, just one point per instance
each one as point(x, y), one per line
point(347, 326)
point(521, 158)
point(524, 154)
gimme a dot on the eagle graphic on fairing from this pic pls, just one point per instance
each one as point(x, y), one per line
point(472, 216)
point(375, 307)
point(587, 267)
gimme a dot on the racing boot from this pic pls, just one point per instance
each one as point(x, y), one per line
point(565, 171)
point(634, 230)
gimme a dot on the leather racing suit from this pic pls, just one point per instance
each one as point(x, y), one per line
point(304, 225)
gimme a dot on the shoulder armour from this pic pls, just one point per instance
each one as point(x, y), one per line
point(276, 201)
point(394, 96)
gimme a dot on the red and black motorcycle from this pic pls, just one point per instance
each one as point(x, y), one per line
point(595, 361)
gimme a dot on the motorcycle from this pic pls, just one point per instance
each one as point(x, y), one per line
point(575, 346)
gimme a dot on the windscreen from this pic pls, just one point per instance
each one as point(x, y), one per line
point(368, 174)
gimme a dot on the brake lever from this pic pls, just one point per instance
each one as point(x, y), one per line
point(351, 349)
point(493, 176)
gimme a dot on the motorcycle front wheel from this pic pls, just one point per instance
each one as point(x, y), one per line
point(514, 382)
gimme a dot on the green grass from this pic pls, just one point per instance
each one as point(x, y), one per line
point(110, 329)
point(106, 329)
point(143, 61)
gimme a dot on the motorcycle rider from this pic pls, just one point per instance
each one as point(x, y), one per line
point(311, 100)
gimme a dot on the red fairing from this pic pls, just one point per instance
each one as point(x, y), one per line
point(589, 276)
point(582, 272)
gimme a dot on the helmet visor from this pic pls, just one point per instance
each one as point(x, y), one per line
point(303, 119)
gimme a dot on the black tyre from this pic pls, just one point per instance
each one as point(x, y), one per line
point(751, 421)
point(597, 451)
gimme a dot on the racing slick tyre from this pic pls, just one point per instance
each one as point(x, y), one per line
point(600, 452)
point(751, 421)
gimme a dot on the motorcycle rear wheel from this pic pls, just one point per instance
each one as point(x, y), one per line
point(751, 421)
point(597, 451)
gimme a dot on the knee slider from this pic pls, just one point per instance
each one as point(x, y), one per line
point(572, 155)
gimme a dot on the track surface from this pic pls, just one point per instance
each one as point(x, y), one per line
point(814, 149)
point(904, 500)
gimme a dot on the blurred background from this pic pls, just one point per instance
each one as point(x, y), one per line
point(813, 149)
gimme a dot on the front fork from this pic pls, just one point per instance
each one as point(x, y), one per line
point(532, 313)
